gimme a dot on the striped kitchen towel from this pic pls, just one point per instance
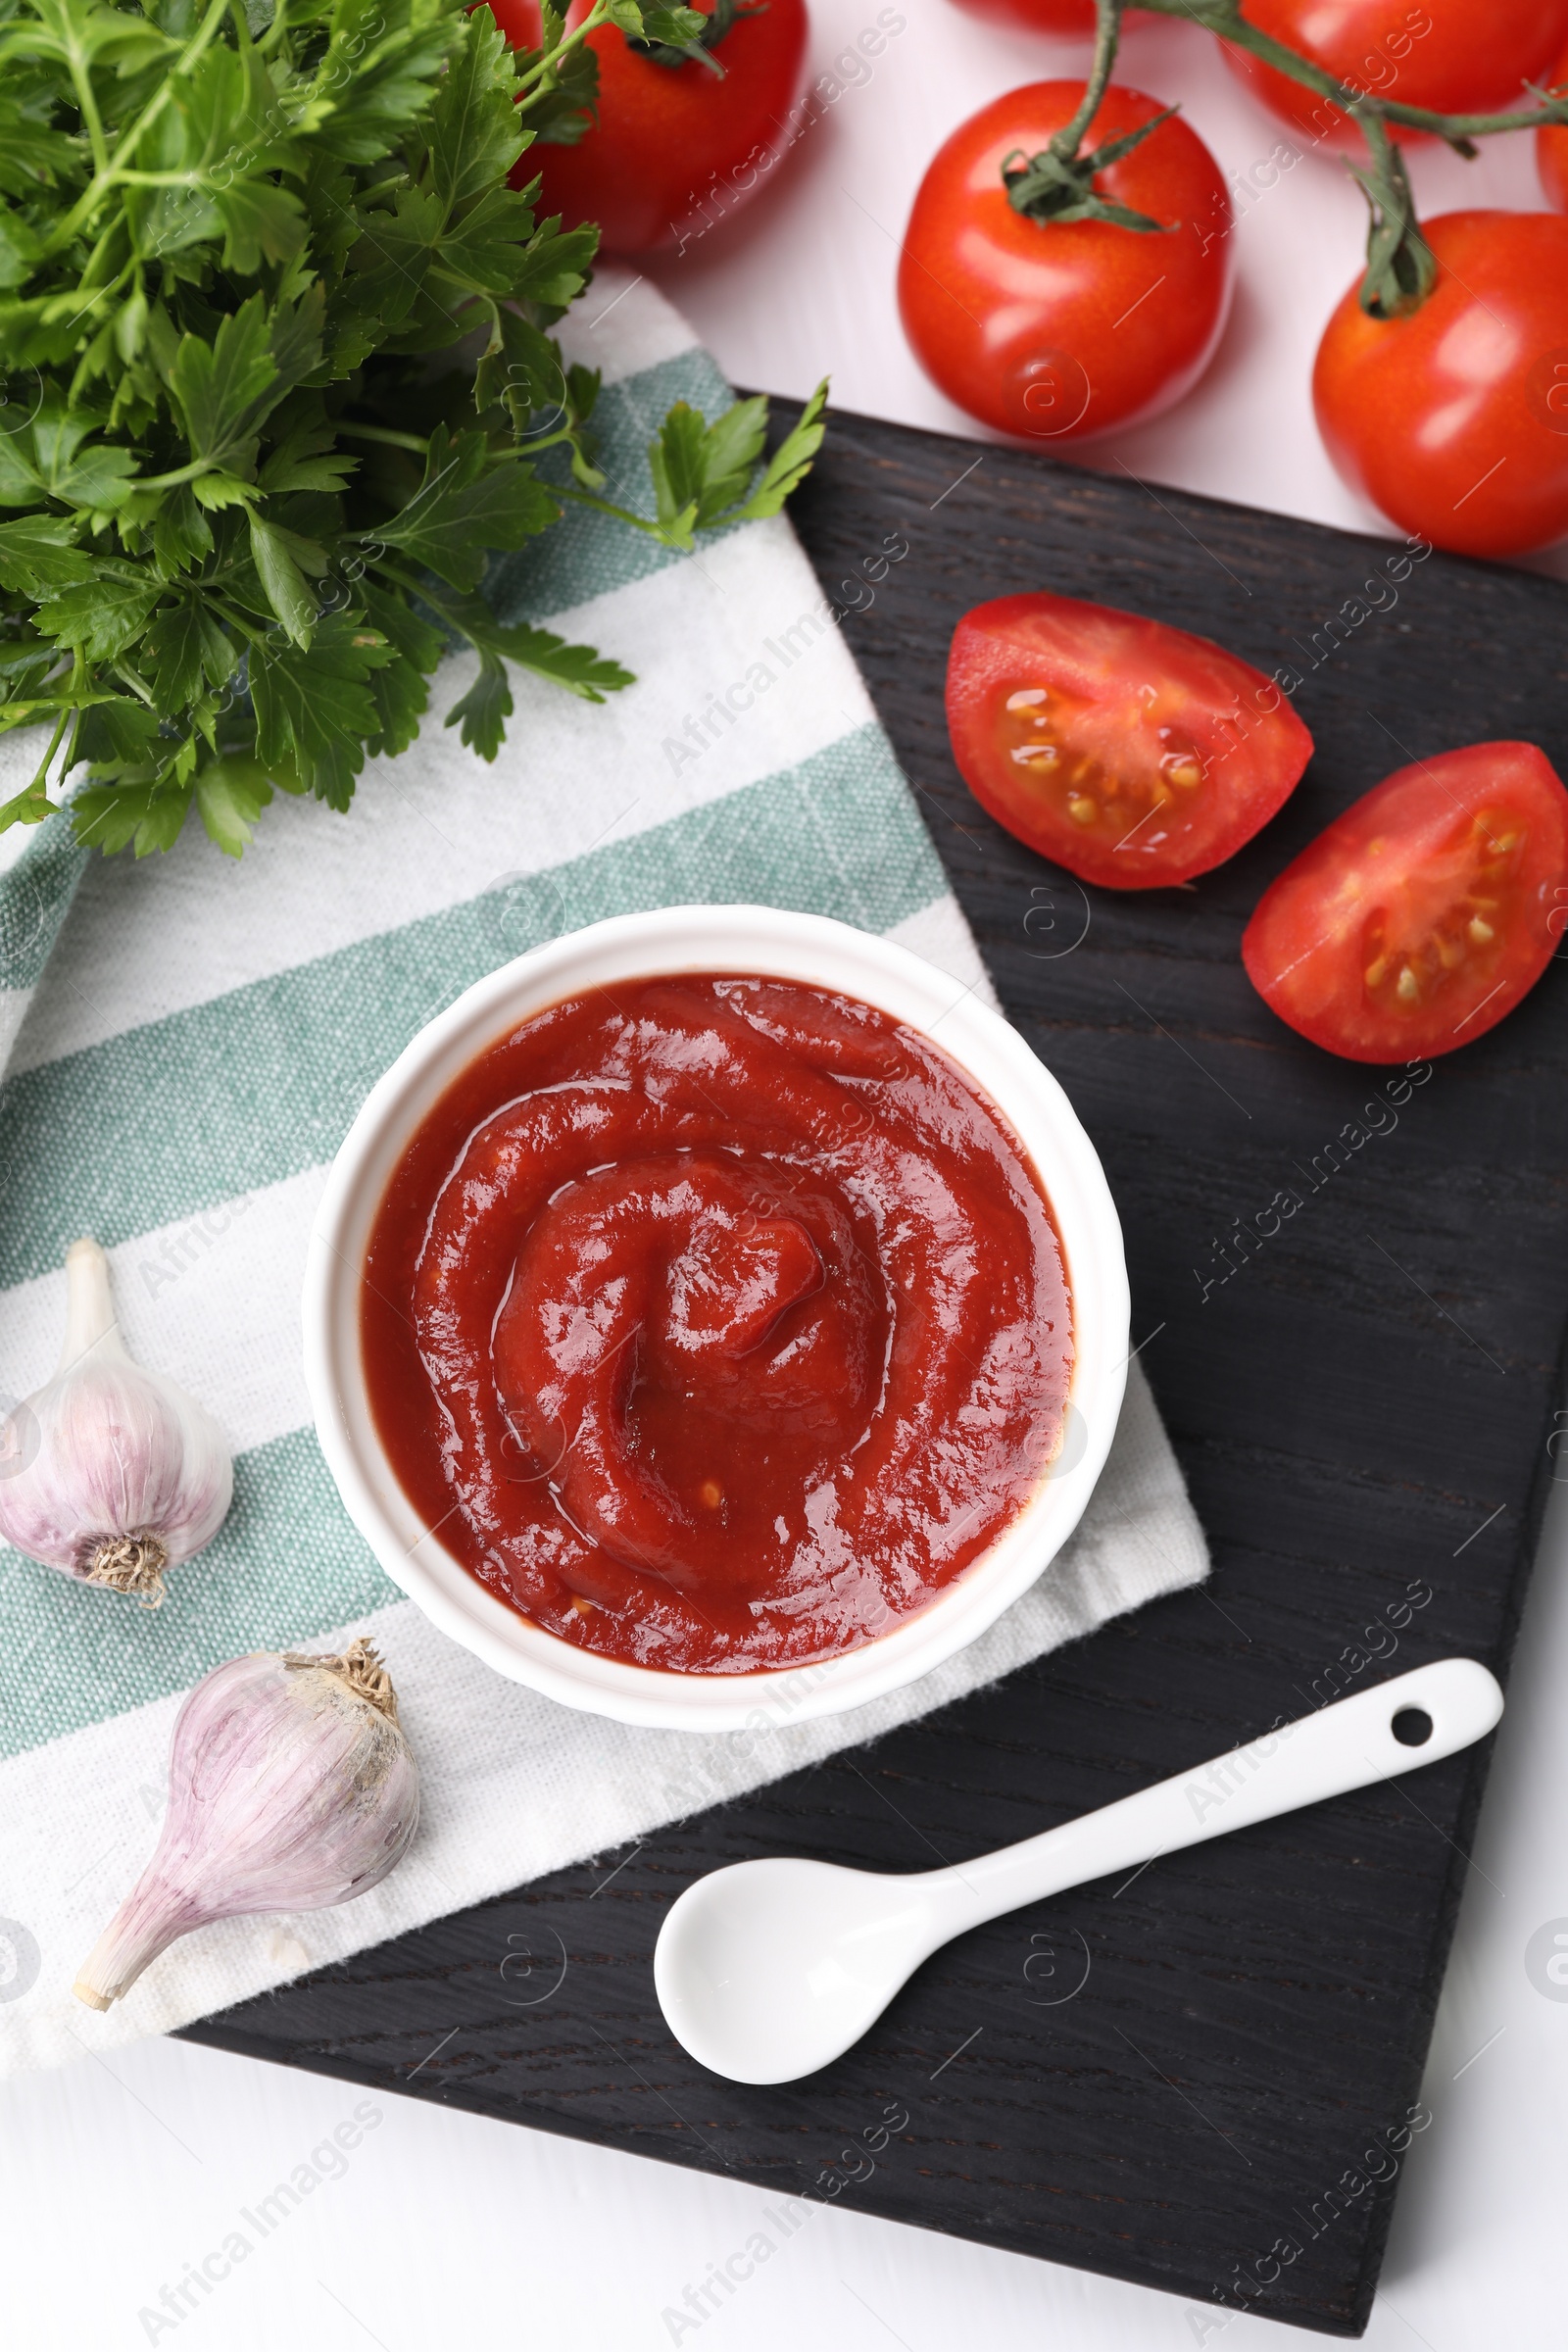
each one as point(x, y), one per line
point(189, 1040)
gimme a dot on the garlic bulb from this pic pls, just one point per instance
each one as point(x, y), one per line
point(290, 1787)
point(110, 1471)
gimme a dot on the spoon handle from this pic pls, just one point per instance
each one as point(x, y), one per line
point(1346, 1745)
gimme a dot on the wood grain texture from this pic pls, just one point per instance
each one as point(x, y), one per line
point(1162, 2079)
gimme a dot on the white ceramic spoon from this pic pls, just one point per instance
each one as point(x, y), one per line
point(768, 1970)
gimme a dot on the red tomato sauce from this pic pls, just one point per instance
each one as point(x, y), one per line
point(716, 1323)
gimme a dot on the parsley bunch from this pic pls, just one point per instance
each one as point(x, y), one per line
point(245, 511)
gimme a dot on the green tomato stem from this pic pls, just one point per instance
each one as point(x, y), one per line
point(1065, 143)
point(1224, 18)
point(1402, 270)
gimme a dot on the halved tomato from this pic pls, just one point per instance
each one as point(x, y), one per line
point(1424, 914)
point(1129, 752)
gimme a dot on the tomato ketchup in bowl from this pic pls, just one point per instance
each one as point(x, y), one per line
point(716, 1318)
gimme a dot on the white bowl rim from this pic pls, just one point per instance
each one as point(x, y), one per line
point(774, 943)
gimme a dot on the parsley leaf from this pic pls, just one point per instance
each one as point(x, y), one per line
point(702, 473)
point(314, 707)
point(276, 555)
point(230, 795)
point(483, 712)
point(189, 651)
point(222, 387)
point(37, 556)
point(463, 508)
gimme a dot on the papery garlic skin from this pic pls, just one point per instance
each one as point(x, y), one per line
point(291, 1787)
point(110, 1471)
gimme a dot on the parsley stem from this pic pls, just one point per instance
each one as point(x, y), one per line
point(127, 678)
point(602, 506)
point(544, 71)
point(91, 296)
point(93, 193)
point(381, 432)
point(86, 99)
point(240, 620)
point(274, 31)
point(172, 481)
point(531, 449)
point(55, 741)
point(116, 177)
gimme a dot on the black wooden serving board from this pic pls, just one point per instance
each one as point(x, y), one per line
point(1361, 1406)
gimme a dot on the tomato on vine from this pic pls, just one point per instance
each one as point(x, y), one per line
point(1452, 416)
point(1066, 17)
point(678, 140)
point(1551, 147)
point(1054, 293)
point(1454, 56)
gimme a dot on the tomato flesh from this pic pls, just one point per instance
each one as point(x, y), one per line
point(1425, 913)
point(673, 149)
point(1127, 751)
point(1057, 329)
point(1454, 56)
point(1450, 417)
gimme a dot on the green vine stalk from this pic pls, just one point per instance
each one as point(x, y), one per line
point(1058, 184)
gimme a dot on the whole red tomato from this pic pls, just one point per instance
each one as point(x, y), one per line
point(1131, 753)
point(1455, 55)
point(1068, 18)
point(1035, 15)
point(1424, 914)
point(1551, 147)
point(1057, 329)
point(673, 148)
point(1453, 419)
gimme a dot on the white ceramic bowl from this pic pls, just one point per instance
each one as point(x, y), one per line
point(714, 939)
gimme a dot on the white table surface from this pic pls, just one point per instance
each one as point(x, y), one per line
point(443, 2229)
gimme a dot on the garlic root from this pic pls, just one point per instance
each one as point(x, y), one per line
point(130, 1564)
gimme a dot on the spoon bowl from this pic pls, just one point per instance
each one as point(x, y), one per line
point(768, 1970)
